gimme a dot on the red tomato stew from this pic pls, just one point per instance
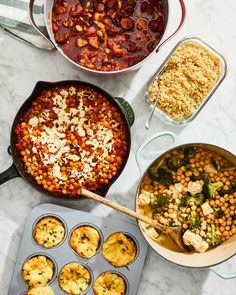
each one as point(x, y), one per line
point(72, 137)
point(108, 35)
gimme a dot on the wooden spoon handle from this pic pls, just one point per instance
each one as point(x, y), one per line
point(122, 209)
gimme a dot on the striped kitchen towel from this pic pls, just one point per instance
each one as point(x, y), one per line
point(14, 20)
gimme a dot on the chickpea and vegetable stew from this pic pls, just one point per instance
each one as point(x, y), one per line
point(194, 188)
point(108, 35)
point(72, 137)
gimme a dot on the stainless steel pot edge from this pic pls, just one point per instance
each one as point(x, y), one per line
point(53, 45)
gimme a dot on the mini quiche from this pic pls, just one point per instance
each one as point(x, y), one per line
point(119, 250)
point(109, 284)
point(38, 271)
point(74, 278)
point(46, 290)
point(49, 232)
point(85, 240)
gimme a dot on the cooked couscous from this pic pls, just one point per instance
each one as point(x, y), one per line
point(189, 76)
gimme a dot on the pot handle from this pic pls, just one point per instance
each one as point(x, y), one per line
point(223, 275)
point(141, 165)
point(127, 110)
point(10, 173)
point(50, 46)
point(183, 16)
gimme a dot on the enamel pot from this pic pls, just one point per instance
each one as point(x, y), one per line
point(210, 258)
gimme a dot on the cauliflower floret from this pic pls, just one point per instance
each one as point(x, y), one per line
point(144, 198)
point(206, 209)
point(178, 187)
point(195, 240)
point(195, 187)
point(209, 168)
point(152, 232)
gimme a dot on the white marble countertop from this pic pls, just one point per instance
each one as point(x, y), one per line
point(22, 66)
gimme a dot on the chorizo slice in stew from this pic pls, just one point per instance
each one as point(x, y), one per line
point(127, 23)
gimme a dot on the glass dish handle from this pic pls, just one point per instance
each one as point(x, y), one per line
point(226, 276)
point(175, 141)
point(183, 16)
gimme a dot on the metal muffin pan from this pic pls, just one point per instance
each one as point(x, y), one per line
point(63, 254)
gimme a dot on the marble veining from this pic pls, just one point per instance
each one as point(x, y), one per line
point(22, 66)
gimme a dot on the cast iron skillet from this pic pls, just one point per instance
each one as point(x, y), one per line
point(18, 169)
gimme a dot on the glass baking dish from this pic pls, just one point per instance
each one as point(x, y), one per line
point(223, 72)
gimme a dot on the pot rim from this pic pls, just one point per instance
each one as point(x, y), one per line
point(47, 18)
point(148, 239)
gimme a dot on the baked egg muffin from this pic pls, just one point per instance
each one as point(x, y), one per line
point(74, 278)
point(38, 271)
point(119, 249)
point(109, 284)
point(85, 241)
point(49, 232)
point(46, 290)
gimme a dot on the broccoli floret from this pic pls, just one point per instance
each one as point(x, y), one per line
point(174, 162)
point(198, 199)
point(228, 168)
point(232, 189)
point(174, 223)
point(234, 217)
point(194, 220)
point(160, 203)
point(196, 173)
point(213, 162)
point(184, 200)
point(209, 189)
point(218, 213)
point(215, 239)
point(189, 152)
point(161, 175)
point(202, 176)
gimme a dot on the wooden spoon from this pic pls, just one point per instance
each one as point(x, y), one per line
point(174, 232)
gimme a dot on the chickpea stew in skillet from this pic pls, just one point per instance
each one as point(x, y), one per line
point(72, 137)
point(108, 35)
point(194, 188)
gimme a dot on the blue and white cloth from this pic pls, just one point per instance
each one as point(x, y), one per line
point(14, 20)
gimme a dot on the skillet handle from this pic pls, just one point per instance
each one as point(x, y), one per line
point(127, 110)
point(175, 141)
point(183, 16)
point(226, 276)
point(10, 173)
point(50, 46)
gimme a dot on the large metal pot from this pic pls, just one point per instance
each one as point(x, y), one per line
point(18, 169)
point(52, 44)
point(210, 258)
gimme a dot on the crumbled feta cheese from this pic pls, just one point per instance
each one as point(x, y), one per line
point(33, 121)
point(195, 240)
point(206, 208)
point(34, 150)
point(195, 187)
point(72, 90)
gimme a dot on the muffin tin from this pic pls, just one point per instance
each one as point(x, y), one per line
point(64, 254)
